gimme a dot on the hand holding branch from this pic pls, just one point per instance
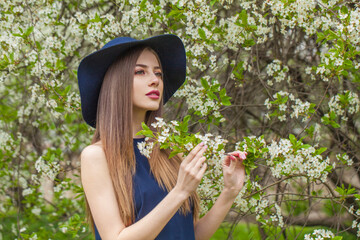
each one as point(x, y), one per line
point(234, 172)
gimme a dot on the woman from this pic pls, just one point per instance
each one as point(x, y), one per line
point(129, 196)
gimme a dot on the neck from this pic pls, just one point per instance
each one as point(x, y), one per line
point(138, 118)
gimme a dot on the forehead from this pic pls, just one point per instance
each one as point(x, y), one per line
point(147, 56)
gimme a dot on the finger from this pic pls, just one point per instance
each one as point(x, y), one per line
point(239, 154)
point(242, 155)
point(228, 159)
point(202, 171)
point(197, 156)
point(193, 153)
point(232, 165)
point(199, 163)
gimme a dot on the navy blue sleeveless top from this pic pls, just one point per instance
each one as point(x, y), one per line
point(147, 194)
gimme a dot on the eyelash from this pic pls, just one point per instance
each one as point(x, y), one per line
point(139, 71)
point(142, 72)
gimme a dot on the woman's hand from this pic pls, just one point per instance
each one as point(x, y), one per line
point(191, 170)
point(234, 172)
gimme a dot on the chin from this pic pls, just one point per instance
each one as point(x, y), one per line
point(150, 107)
point(153, 108)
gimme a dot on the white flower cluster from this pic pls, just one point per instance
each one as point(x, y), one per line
point(298, 108)
point(197, 99)
point(354, 26)
point(277, 217)
point(327, 58)
point(33, 236)
point(297, 13)
point(344, 158)
point(145, 147)
point(211, 184)
point(355, 223)
point(6, 141)
point(276, 70)
point(253, 140)
point(261, 205)
point(283, 160)
point(343, 104)
point(319, 234)
point(214, 161)
point(27, 191)
point(50, 169)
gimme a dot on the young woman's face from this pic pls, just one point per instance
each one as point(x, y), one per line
point(148, 83)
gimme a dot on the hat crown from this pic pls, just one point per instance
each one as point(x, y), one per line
point(117, 41)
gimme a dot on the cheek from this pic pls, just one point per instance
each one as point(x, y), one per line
point(136, 86)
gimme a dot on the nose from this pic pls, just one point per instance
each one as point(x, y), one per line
point(154, 80)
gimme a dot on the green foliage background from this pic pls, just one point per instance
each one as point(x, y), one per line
point(282, 69)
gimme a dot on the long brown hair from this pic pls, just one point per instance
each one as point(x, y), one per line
point(115, 131)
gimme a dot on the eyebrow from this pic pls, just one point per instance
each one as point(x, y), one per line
point(146, 66)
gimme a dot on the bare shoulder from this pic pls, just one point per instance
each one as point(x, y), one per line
point(92, 152)
point(93, 161)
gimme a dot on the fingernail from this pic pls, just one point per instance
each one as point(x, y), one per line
point(202, 144)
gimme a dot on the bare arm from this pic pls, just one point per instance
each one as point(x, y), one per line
point(234, 174)
point(208, 224)
point(100, 194)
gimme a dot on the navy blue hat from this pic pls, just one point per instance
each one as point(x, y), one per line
point(93, 67)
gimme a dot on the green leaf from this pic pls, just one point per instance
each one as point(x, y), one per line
point(96, 19)
point(204, 83)
point(320, 150)
point(292, 139)
point(328, 168)
point(335, 124)
point(143, 5)
point(249, 43)
point(225, 100)
point(305, 146)
point(187, 118)
point(357, 196)
point(320, 37)
point(243, 16)
point(173, 153)
point(222, 93)
point(212, 96)
point(173, 12)
point(256, 196)
point(332, 35)
point(144, 126)
point(183, 126)
point(148, 133)
point(59, 109)
point(67, 89)
point(337, 238)
point(348, 64)
point(344, 10)
point(202, 34)
point(28, 31)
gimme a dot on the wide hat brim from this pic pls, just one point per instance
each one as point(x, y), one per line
point(93, 67)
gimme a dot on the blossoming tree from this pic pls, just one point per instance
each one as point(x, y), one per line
point(278, 79)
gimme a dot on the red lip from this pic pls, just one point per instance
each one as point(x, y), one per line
point(153, 92)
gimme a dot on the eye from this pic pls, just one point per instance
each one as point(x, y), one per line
point(159, 74)
point(138, 72)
